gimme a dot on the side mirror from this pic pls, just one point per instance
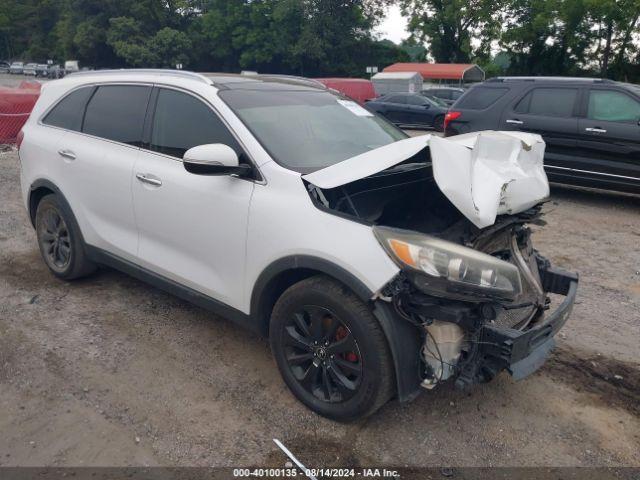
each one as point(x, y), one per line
point(214, 159)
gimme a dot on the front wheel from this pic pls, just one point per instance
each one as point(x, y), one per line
point(330, 350)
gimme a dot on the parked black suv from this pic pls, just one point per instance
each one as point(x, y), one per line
point(591, 126)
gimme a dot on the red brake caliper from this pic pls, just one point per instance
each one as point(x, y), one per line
point(341, 332)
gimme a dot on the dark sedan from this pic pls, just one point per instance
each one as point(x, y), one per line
point(409, 110)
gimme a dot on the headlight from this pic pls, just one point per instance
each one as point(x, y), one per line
point(450, 268)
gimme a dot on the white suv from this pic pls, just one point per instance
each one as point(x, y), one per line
point(292, 210)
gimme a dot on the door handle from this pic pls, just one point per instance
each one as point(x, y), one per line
point(515, 122)
point(595, 130)
point(68, 154)
point(148, 179)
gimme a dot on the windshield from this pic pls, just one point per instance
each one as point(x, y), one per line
point(306, 130)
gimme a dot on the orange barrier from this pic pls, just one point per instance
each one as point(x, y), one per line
point(15, 107)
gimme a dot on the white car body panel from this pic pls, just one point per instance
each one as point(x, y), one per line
point(98, 185)
point(193, 228)
point(284, 222)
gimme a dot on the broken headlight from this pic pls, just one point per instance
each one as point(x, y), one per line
point(448, 268)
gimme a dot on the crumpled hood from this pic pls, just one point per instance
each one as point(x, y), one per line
point(484, 174)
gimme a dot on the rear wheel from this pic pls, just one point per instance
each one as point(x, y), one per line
point(60, 241)
point(331, 350)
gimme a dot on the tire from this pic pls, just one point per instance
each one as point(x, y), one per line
point(438, 123)
point(348, 373)
point(60, 241)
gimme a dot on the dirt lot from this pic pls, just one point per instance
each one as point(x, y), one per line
point(109, 371)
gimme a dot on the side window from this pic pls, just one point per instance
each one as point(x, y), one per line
point(455, 94)
point(444, 94)
point(116, 112)
point(479, 98)
point(181, 122)
point(549, 102)
point(612, 106)
point(416, 100)
point(397, 99)
point(69, 111)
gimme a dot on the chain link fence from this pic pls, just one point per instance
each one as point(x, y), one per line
point(16, 104)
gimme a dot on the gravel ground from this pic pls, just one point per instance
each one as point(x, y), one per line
point(109, 371)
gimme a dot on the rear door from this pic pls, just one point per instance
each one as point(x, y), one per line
point(98, 161)
point(192, 228)
point(550, 111)
point(609, 133)
point(396, 108)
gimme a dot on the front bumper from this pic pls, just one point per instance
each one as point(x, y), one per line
point(522, 352)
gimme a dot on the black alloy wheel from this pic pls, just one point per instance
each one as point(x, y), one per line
point(54, 238)
point(331, 350)
point(59, 239)
point(323, 354)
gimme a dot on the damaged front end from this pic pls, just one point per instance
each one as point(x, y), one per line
point(453, 215)
point(471, 335)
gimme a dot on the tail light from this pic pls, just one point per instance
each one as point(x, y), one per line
point(19, 139)
point(450, 116)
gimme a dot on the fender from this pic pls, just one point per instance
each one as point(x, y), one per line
point(296, 262)
point(49, 185)
point(403, 339)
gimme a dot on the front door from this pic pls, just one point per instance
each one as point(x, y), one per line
point(609, 143)
point(192, 228)
point(396, 109)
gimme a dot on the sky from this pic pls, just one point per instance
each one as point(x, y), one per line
point(393, 26)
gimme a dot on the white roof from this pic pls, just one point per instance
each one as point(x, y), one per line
point(396, 76)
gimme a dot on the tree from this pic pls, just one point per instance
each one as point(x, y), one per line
point(546, 37)
point(448, 27)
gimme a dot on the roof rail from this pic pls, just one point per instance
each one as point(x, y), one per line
point(151, 71)
point(292, 79)
point(551, 78)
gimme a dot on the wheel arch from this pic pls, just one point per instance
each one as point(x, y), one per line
point(283, 273)
point(43, 187)
point(39, 189)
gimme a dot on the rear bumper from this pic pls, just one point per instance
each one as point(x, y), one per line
point(522, 352)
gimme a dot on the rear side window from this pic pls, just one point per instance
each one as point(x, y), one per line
point(479, 98)
point(612, 106)
point(116, 112)
point(397, 99)
point(181, 122)
point(69, 111)
point(417, 100)
point(550, 102)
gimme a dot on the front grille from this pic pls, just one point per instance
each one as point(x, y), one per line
point(515, 318)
